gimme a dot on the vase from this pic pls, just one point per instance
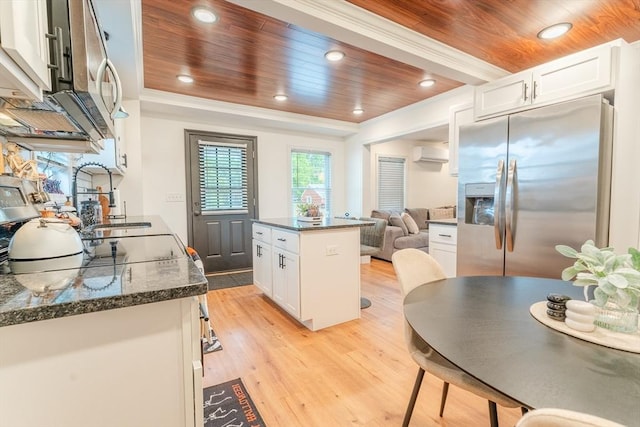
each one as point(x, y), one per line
point(613, 317)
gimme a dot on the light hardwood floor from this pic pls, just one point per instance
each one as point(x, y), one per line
point(355, 374)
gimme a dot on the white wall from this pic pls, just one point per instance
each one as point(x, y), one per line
point(431, 113)
point(428, 184)
point(163, 166)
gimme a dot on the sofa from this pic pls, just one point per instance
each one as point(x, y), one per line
point(397, 234)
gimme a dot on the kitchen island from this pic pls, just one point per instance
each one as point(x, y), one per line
point(118, 345)
point(311, 270)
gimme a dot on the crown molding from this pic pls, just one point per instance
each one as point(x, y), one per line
point(350, 24)
point(189, 108)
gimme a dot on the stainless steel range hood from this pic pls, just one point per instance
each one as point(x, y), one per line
point(86, 95)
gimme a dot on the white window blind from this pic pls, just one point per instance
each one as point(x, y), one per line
point(223, 177)
point(310, 180)
point(391, 183)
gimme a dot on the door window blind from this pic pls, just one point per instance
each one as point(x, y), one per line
point(223, 177)
point(391, 183)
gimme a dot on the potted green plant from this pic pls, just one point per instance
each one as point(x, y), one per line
point(616, 278)
point(308, 210)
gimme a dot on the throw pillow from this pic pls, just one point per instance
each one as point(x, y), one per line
point(398, 222)
point(381, 214)
point(410, 223)
point(420, 216)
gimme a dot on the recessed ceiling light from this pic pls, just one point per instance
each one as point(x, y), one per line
point(204, 14)
point(280, 97)
point(185, 79)
point(554, 31)
point(334, 55)
point(427, 83)
point(358, 111)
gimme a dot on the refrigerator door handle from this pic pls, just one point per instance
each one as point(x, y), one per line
point(498, 222)
point(509, 204)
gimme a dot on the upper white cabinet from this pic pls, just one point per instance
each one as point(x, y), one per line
point(458, 115)
point(24, 53)
point(581, 74)
point(113, 155)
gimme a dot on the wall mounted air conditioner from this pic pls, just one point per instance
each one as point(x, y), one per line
point(430, 153)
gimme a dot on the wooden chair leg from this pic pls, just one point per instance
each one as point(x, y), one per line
point(493, 414)
point(414, 396)
point(443, 400)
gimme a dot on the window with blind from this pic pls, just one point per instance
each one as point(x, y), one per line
point(223, 177)
point(391, 182)
point(310, 180)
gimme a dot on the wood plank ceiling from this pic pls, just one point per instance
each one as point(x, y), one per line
point(247, 58)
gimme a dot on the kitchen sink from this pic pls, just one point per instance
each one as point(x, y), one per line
point(98, 227)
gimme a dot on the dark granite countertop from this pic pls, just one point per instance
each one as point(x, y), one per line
point(325, 224)
point(139, 273)
point(447, 221)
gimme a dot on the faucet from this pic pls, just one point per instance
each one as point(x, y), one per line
point(74, 185)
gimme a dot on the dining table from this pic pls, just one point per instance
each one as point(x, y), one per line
point(482, 324)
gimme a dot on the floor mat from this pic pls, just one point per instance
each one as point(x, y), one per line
point(230, 280)
point(229, 404)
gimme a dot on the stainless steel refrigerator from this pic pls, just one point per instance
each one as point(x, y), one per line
point(530, 181)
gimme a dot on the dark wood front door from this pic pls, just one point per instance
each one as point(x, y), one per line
point(221, 198)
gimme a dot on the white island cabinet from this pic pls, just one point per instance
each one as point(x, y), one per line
point(314, 270)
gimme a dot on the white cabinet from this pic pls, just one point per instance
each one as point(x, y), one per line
point(286, 281)
point(581, 74)
point(315, 274)
point(458, 115)
point(142, 362)
point(112, 155)
point(443, 240)
point(262, 259)
point(285, 270)
point(24, 53)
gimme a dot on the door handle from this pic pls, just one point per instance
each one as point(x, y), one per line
point(118, 103)
point(196, 209)
point(509, 204)
point(106, 63)
point(58, 48)
point(498, 229)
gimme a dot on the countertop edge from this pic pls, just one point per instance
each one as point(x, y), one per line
point(295, 225)
point(34, 314)
point(448, 221)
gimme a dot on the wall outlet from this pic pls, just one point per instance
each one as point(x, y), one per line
point(332, 250)
point(175, 197)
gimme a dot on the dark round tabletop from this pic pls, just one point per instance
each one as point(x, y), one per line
point(483, 325)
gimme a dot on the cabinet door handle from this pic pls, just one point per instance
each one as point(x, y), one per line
point(525, 92)
point(535, 90)
point(259, 233)
point(280, 239)
point(258, 252)
point(444, 235)
point(284, 262)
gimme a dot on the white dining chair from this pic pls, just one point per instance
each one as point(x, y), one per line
point(414, 268)
point(554, 417)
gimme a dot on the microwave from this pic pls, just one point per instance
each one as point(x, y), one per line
point(86, 93)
